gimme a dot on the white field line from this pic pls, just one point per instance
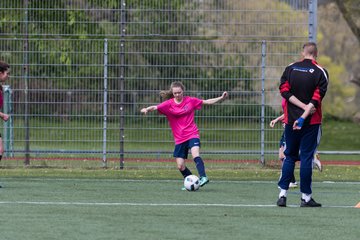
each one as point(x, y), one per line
point(162, 180)
point(151, 204)
point(155, 204)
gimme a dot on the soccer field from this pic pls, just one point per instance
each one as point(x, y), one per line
point(48, 208)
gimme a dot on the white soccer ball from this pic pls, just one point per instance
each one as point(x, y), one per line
point(192, 183)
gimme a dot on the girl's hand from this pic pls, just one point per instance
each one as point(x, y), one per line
point(144, 111)
point(272, 123)
point(224, 95)
point(5, 117)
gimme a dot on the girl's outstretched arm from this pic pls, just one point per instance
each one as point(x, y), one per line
point(215, 100)
point(148, 109)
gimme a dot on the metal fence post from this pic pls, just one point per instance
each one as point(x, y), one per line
point(26, 88)
point(122, 79)
point(104, 161)
point(313, 20)
point(263, 66)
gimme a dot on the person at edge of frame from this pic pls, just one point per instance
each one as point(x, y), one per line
point(4, 75)
point(180, 112)
point(303, 84)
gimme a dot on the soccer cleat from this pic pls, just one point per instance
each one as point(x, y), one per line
point(203, 181)
point(317, 163)
point(310, 203)
point(293, 185)
point(281, 202)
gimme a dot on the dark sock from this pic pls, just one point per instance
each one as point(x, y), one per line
point(200, 166)
point(186, 172)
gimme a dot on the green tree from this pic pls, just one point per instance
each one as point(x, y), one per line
point(335, 101)
point(342, 47)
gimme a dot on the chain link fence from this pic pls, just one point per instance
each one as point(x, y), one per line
point(82, 70)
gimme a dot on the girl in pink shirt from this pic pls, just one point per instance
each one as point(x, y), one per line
point(180, 112)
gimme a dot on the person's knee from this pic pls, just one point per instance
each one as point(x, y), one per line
point(195, 154)
point(181, 167)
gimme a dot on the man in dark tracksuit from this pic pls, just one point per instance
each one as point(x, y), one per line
point(303, 85)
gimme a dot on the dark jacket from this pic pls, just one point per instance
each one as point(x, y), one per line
point(308, 82)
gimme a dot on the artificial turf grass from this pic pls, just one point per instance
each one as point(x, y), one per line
point(70, 208)
point(254, 172)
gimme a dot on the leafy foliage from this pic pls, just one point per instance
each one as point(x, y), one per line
point(335, 104)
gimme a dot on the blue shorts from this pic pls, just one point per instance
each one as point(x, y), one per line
point(182, 149)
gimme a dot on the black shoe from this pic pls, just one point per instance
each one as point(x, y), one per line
point(281, 202)
point(310, 203)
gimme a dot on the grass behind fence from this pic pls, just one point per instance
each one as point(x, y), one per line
point(156, 148)
point(150, 136)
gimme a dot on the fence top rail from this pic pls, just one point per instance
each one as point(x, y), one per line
point(158, 40)
point(227, 152)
